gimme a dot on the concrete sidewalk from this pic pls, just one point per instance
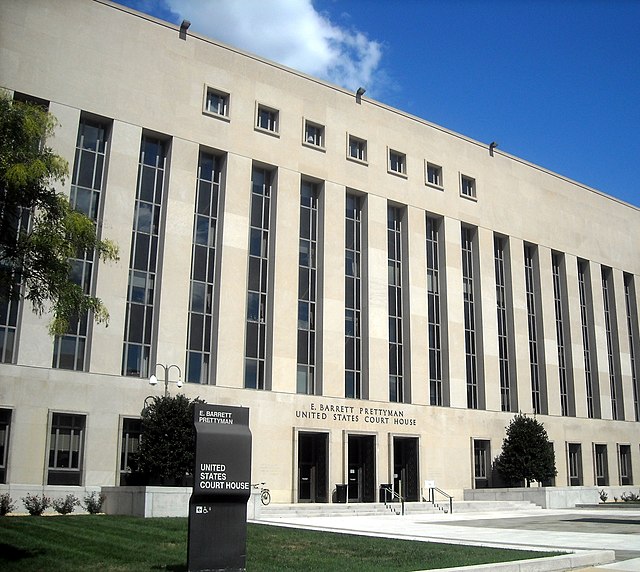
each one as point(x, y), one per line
point(608, 539)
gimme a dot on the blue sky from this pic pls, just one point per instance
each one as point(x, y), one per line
point(555, 82)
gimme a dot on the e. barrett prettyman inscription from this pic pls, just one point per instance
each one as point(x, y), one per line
point(208, 416)
point(354, 414)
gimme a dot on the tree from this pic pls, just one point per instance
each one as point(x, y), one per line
point(39, 231)
point(168, 440)
point(527, 454)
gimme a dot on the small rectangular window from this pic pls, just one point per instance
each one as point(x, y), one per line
point(467, 186)
point(601, 465)
point(5, 424)
point(434, 175)
point(216, 102)
point(574, 461)
point(267, 119)
point(131, 432)
point(481, 463)
point(397, 162)
point(66, 449)
point(357, 149)
point(313, 134)
point(624, 463)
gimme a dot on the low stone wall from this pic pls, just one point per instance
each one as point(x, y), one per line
point(147, 501)
point(151, 502)
point(546, 497)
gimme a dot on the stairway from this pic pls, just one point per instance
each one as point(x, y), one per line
point(380, 509)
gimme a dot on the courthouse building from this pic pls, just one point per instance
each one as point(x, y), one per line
point(383, 294)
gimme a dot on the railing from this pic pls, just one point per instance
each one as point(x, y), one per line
point(394, 497)
point(432, 498)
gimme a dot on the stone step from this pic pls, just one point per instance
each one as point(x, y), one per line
point(373, 509)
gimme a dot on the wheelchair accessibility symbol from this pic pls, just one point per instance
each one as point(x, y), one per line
point(202, 509)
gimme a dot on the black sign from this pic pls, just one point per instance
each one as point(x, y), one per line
point(221, 488)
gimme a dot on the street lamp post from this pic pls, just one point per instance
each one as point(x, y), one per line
point(153, 380)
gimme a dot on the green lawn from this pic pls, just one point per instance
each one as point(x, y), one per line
point(128, 544)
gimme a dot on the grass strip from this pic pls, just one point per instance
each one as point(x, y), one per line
point(88, 543)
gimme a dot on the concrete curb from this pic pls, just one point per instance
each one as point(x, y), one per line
point(573, 561)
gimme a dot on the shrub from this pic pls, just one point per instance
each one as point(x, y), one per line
point(35, 504)
point(603, 495)
point(93, 502)
point(66, 505)
point(630, 497)
point(6, 504)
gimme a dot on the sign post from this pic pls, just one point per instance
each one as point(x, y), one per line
point(221, 489)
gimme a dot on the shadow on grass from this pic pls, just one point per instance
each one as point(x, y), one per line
point(171, 567)
point(10, 553)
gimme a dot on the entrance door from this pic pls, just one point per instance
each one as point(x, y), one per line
point(405, 467)
point(312, 467)
point(362, 468)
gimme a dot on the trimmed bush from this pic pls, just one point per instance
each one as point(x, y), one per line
point(36, 504)
point(93, 502)
point(66, 505)
point(6, 504)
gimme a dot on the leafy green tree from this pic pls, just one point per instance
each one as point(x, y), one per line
point(527, 454)
point(39, 231)
point(168, 440)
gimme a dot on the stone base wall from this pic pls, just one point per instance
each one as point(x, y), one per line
point(149, 502)
point(546, 497)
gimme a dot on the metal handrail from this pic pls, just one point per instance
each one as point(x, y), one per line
point(394, 495)
point(432, 497)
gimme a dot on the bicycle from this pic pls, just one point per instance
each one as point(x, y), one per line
point(265, 495)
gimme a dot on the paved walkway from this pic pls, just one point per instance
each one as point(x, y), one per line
point(537, 529)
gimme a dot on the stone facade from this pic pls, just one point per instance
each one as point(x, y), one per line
point(143, 82)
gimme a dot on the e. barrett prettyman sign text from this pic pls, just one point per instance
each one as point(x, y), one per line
point(355, 414)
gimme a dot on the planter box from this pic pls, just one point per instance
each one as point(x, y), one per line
point(546, 497)
point(152, 502)
point(147, 501)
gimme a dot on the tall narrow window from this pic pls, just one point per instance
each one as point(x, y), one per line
point(586, 321)
point(144, 257)
point(601, 465)
point(394, 265)
point(13, 222)
point(434, 312)
point(203, 261)
point(613, 353)
point(308, 245)
point(5, 425)
point(470, 318)
point(353, 298)
point(632, 327)
point(70, 350)
point(507, 396)
point(258, 280)
point(562, 334)
point(535, 350)
point(66, 449)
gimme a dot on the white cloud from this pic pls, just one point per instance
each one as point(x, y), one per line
point(290, 32)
